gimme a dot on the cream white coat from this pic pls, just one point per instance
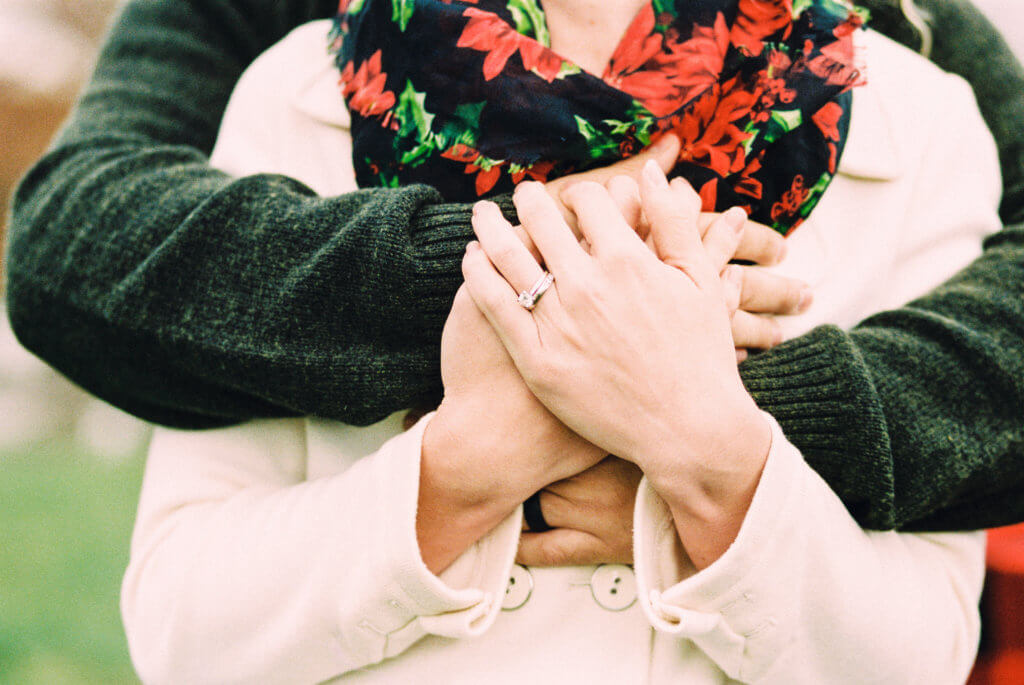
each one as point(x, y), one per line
point(285, 551)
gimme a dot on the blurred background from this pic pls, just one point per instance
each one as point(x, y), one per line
point(70, 466)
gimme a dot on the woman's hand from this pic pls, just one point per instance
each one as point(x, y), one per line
point(591, 515)
point(490, 445)
point(633, 350)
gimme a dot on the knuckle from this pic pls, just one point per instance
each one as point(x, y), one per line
point(771, 248)
point(771, 332)
point(503, 253)
point(791, 299)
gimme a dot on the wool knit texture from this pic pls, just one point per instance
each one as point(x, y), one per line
point(194, 299)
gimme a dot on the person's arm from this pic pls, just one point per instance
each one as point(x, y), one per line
point(804, 595)
point(192, 298)
point(292, 551)
point(243, 571)
point(740, 547)
point(914, 417)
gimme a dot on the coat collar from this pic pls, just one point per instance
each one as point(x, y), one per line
point(873, 149)
point(319, 96)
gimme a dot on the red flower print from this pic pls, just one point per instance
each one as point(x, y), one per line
point(748, 185)
point(461, 153)
point(487, 32)
point(538, 171)
point(791, 201)
point(827, 120)
point(837, 64)
point(364, 89)
point(486, 178)
point(709, 195)
point(758, 19)
point(708, 131)
point(661, 71)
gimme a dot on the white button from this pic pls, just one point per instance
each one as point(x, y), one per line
point(519, 588)
point(613, 586)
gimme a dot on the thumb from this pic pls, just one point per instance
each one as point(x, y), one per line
point(664, 152)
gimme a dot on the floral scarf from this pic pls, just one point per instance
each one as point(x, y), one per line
point(468, 97)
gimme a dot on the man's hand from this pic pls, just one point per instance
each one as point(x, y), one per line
point(591, 515)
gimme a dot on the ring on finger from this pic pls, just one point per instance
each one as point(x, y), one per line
point(528, 299)
point(535, 521)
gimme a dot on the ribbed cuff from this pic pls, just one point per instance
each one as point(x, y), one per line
point(820, 391)
point(440, 233)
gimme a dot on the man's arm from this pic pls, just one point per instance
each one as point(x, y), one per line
point(191, 298)
point(916, 416)
point(194, 299)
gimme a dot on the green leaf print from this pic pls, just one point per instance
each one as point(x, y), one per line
point(781, 123)
point(663, 6)
point(401, 12)
point(355, 6)
point(799, 6)
point(414, 126)
point(464, 127)
point(530, 20)
point(412, 114)
point(815, 193)
point(567, 69)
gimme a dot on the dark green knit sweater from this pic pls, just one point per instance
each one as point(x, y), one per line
point(194, 299)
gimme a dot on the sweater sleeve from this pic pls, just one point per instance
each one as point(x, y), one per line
point(192, 298)
point(914, 416)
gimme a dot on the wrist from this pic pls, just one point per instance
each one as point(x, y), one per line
point(709, 500)
point(454, 509)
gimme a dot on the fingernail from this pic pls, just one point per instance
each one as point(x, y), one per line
point(654, 174)
point(806, 297)
point(472, 246)
point(736, 218)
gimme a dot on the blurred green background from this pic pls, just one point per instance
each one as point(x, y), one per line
point(65, 526)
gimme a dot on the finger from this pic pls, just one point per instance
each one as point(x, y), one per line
point(497, 300)
point(673, 218)
point(732, 285)
point(761, 245)
point(599, 219)
point(755, 331)
point(766, 293)
point(722, 237)
point(562, 547)
point(626, 195)
point(664, 152)
point(543, 221)
point(741, 355)
point(525, 239)
point(503, 248)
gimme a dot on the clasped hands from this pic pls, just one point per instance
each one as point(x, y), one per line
point(630, 352)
